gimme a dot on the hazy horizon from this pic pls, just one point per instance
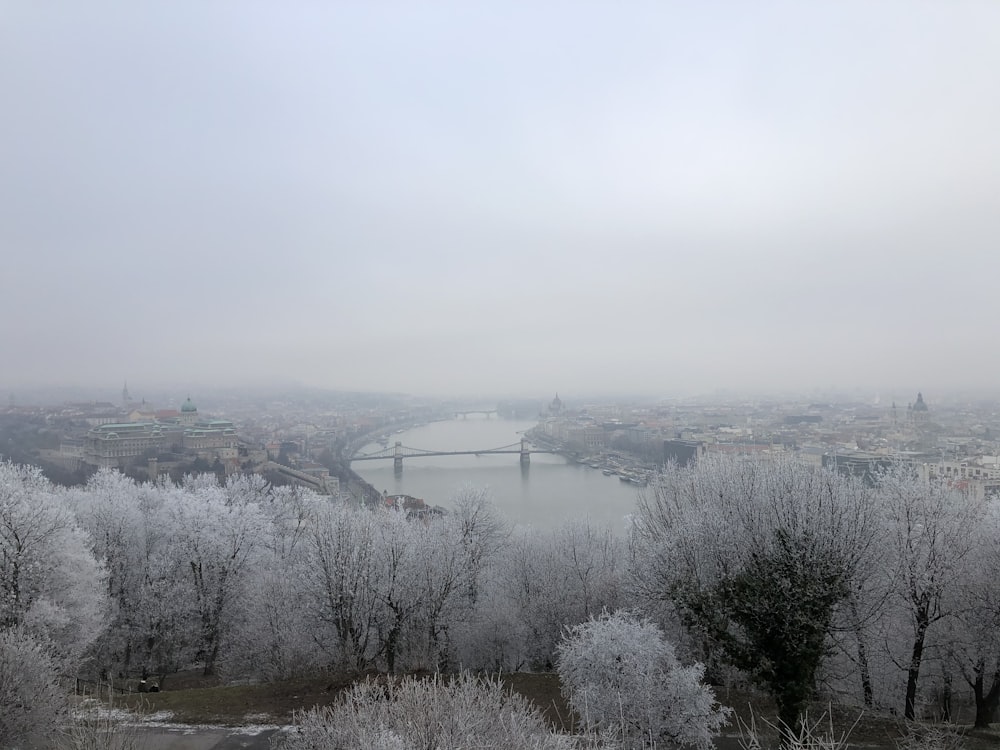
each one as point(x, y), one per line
point(211, 397)
point(452, 199)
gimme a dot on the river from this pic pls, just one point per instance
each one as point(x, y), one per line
point(545, 494)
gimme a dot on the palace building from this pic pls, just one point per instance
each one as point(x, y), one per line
point(117, 445)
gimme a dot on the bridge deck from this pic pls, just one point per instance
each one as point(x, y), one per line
point(416, 453)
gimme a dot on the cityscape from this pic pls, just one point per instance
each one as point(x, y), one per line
point(310, 440)
point(529, 376)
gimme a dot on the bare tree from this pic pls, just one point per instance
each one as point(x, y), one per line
point(217, 539)
point(397, 587)
point(273, 634)
point(481, 532)
point(972, 633)
point(340, 579)
point(929, 533)
point(553, 579)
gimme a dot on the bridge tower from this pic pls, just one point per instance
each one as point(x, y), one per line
point(397, 458)
point(525, 452)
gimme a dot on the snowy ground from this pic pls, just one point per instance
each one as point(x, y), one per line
point(177, 737)
point(158, 732)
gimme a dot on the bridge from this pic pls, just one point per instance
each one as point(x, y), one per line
point(399, 451)
point(464, 414)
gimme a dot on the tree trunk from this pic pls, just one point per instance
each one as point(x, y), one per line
point(913, 673)
point(210, 641)
point(391, 643)
point(986, 702)
point(867, 689)
point(866, 676)
point(789, 723)
point(946, 698)
point(127, 658)
point(210, 658)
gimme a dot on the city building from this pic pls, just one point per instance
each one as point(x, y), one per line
point(121, 444)
point(189, 413)
point(111, 446)
point(682, 452)
point(866, 466)
point(917, 413)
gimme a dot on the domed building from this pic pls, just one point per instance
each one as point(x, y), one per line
point(918, 413)
point(185, 431)
point(555, 407)
point(189, 413)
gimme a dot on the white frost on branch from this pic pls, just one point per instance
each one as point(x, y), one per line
point(621, 677)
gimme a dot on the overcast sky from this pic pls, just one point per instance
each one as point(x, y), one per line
point(501, 197)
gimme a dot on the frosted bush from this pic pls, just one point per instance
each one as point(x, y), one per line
point(99, 726)
point(445, 714)
point(819, 735)
point(931, 738)
point(622, 678)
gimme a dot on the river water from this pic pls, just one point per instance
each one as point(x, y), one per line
point(545, 494)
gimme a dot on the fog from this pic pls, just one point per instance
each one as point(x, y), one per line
point(496, 197)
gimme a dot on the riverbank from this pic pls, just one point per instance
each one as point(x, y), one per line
point(625, 467)
point(362, 491)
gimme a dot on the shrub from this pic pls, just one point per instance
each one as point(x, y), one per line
point(621, 677)
point(103, 726)
point(446, 714)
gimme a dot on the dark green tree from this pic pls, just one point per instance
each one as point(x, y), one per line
point(772, 618)
point(763, 560)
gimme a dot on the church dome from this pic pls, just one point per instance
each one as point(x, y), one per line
point(920, 405)
point(189, 406)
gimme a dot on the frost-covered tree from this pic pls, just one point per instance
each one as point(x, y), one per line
point(439, 602)
point(757, 555)
point(590, 561)
point(110, 509)
point(551, 579)
point(31, 702)
point(50, 583)
point(971, 638)
point(397, 587)
point(453, 714)
point(52, 604)
point(480, 531)
point(291, 512)
point(623, 680)
point(216, 535)
point(340, 582)
point(273, 633)
point(272, 638)
point(165, 624)
point(462, 551)
point(152, 540)
point(929, 530)
point(366, 589)
point(244, 489)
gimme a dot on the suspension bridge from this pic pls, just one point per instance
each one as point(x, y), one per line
point(399, 451)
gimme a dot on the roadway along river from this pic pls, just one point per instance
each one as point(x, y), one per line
point(550, 491)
